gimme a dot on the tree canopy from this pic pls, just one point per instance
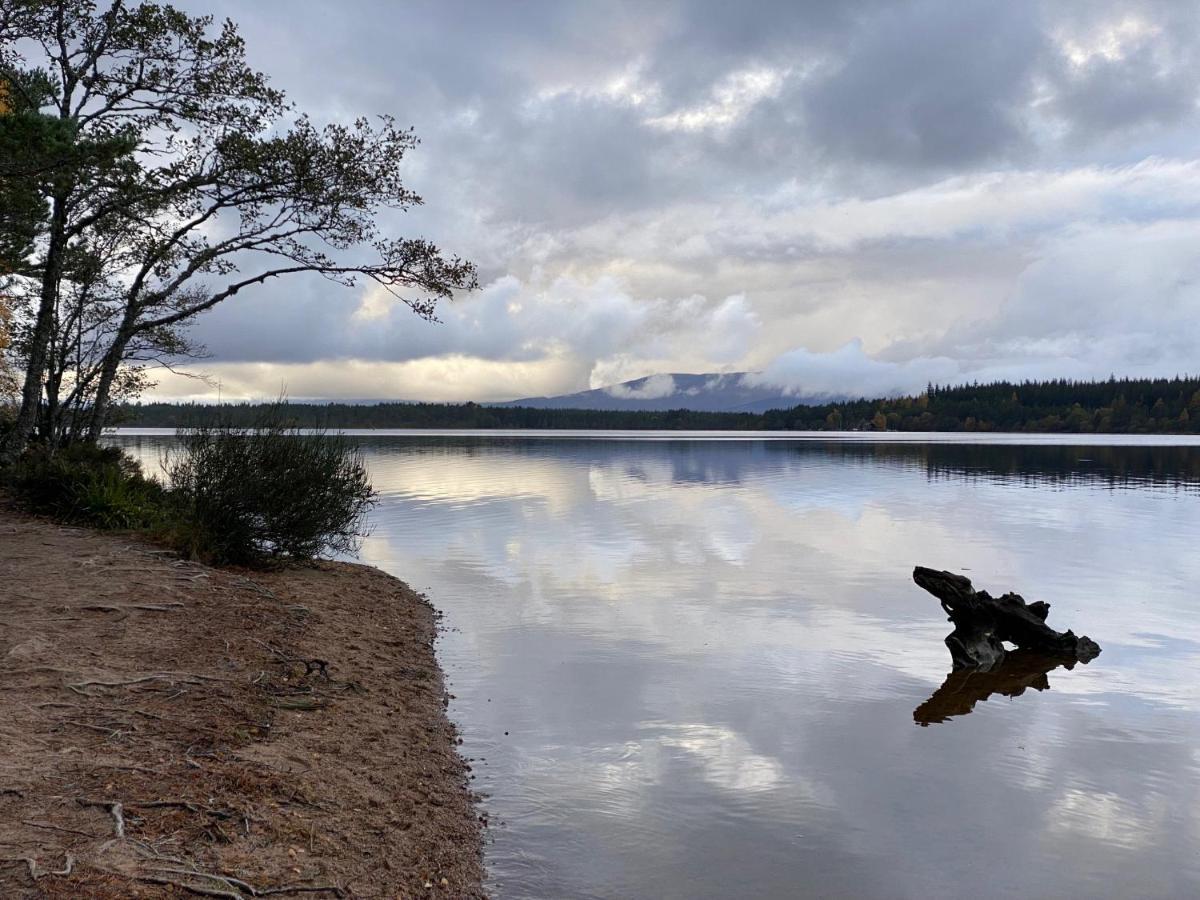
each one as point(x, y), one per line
point(153, 174)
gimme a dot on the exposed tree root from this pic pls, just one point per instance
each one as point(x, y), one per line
point(48, 827)
point(191, 888)
point(79, 687)
point(29, 861)
point(115, 810)
point(228, 886)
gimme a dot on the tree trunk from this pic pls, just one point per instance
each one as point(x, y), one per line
point(982, 623)
point(50, 412)
point(35, 369)
point(108, 374)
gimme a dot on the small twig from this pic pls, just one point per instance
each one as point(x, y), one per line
point(300, 702)
point(122, 607)
point(49, 827)
point(111, 732)
point(283, 656)
point(182, 804)
point(164, 804)
point(126, 768)
point(31, 669)
point(152, 852)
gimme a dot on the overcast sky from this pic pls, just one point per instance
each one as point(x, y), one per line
point(848, 195)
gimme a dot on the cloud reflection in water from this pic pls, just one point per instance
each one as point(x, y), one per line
point(706, 658)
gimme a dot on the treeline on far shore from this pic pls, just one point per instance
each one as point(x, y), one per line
point(1115, 406)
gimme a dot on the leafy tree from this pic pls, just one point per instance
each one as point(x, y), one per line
point(171, 177)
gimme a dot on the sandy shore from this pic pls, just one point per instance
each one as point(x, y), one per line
point(167, 728)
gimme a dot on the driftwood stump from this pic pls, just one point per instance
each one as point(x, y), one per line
point(982, 624)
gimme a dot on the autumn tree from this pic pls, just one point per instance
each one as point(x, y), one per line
point(174, 178)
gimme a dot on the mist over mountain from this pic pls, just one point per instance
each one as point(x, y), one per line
point(729, 392)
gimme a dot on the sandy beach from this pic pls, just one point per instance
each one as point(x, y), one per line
point(168, 728)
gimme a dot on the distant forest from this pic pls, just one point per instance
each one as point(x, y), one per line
point(1120, 406)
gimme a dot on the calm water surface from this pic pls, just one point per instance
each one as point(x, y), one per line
point(701, 669)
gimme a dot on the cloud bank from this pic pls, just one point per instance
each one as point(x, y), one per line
point(871, 193)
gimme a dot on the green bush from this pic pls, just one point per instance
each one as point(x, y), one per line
point(88, 485)
point(246, 494)
point(234, 495)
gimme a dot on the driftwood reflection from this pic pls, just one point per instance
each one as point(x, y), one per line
point(963, 688)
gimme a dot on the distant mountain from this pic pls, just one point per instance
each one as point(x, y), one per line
point(702, 393)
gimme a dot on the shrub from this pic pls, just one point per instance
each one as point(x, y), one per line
point(88, 485)
point(272, 490)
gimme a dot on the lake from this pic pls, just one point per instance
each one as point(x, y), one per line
point(700, 668)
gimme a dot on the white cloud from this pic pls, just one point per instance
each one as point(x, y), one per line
point(626, 87)
point(1111, 40)
point(995, 206)
point(1078, 309)
point(652, 388)
point(436, 379)
point(729, 101)
point(850, 371)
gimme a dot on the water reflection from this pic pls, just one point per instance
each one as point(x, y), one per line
point(963, 688)
point(688, 669)
point(1066, 463)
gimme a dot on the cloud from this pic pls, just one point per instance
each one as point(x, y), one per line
point(1135, 66)
point(698, 186)
point(1082, 305)
point(848, 371)
point(507, 320)
point(729, 100)
point(950, 93)
point(500, 343)
point(651, 388)
point(449, 378)
point(1015, 274)
point(1076, 311)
